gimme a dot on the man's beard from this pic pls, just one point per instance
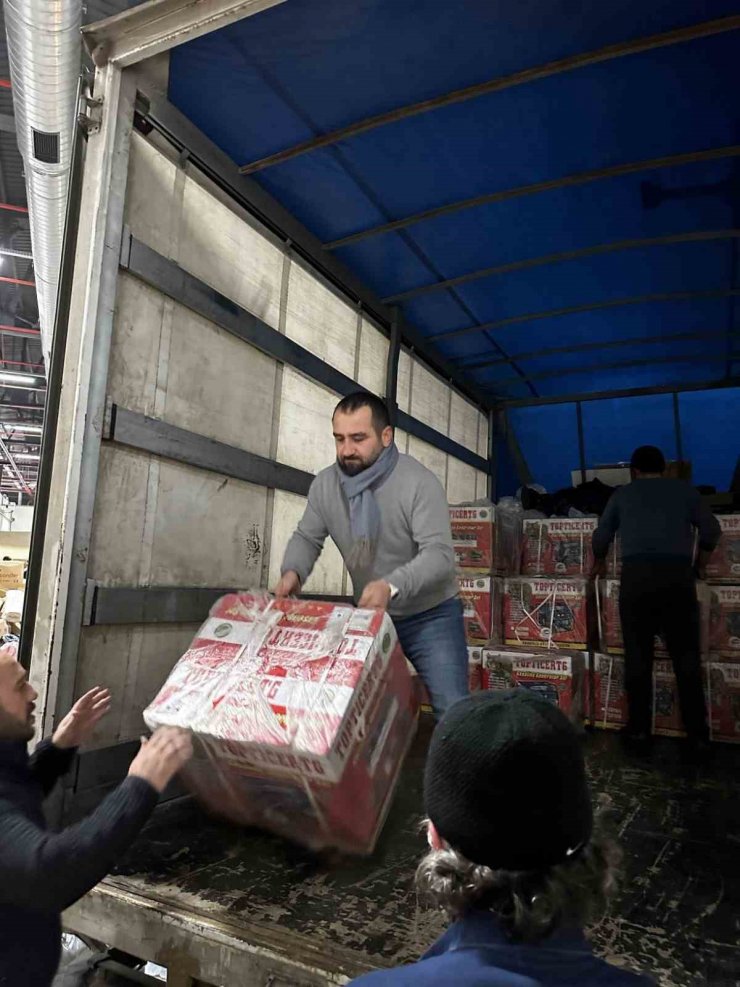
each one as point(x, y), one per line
point(14, 729)
point(354, 467)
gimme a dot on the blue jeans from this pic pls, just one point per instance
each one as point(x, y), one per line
point(434, 642)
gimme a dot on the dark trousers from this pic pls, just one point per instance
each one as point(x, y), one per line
point(658, 596)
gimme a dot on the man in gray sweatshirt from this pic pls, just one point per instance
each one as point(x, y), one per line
point(388, 516)
point(658, 520)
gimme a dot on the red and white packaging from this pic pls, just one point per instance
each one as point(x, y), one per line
point(723, 700)
point(558, 546)
point(474, 535)
point(724, 564)
point(302, 712)
point(557, 677)
point(474, 678)
point(546, 613)
point(481, 600)
point(609, 708)
point(724, 628)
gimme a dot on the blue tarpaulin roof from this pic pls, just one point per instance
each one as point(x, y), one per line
point(309, 67)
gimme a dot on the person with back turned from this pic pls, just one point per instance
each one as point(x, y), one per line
point(658, 521)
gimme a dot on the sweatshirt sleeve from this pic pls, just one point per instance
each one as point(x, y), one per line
point(607, 528)
point(49, 871)
point(705, 523)
point(434, 562)
point(49, 763)
point(307, 540)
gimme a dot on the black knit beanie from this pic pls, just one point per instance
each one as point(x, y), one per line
point(505, 782)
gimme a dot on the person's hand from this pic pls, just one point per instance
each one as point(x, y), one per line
point(78, 725)
point(598, 568)
point(161, 756)
point(376, 596)
point(289, 585)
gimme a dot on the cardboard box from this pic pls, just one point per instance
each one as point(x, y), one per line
point(724, 565)
point(481, 600)
point(302, 712)
point(11, 575)
point(557, 546)
point(723, 695)
point(546, 613)
point(556, 676)
point(610, 699)
point(724, 630)
point(473, 536)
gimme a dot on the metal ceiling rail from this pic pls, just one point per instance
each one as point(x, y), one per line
point(566, 181)
point(674, 296)
point(635, 243)
point(151, 28)
point(619, 365)
point(599, 345)
point(628, 392)
point(704, 29)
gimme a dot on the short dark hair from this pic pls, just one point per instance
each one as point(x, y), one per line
point(364, 399)
point(648, 459)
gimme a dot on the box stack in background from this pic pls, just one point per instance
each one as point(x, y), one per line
point(301, 713)
point(545, 613)
point(558, 676)
point(722, 678)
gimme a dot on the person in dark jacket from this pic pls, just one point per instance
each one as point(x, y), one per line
point(517, 860)
point(658, 521)
point(42, 872)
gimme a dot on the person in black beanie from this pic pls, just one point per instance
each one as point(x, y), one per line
point(517, 859)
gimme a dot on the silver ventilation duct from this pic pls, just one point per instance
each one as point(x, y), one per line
point(44, 50)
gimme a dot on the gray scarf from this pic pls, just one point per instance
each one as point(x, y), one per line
point(364, 516)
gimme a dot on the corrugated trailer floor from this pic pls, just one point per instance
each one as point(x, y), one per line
point(201, 896)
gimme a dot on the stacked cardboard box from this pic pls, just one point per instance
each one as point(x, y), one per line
point(608, 708)
point(558, 676)
point(474, 536)
point(724, 565)
point(545, 613)
point(723, 700)
point(481, 599)
point(557, 546)
point(724, 631)
point(301, 712)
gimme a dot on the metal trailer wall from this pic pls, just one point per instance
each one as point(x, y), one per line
point(203, 445)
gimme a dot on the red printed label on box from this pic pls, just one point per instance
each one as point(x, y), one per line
point(724, 563)
point(549, 613)
point(723, 690)
point(558, 547)
point(724, 632)
point(473, 536)
point(476, 594)
point(557, 678)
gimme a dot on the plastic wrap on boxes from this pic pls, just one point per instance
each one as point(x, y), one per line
point(724, 631)
point(557, 677)
point(473, 535)
point(724, 565)
point(301, 711)
point(557, 546)
point(609, 707)
point(723, 700)
point(508, 542)
point(545, 613)
point(481, 600)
